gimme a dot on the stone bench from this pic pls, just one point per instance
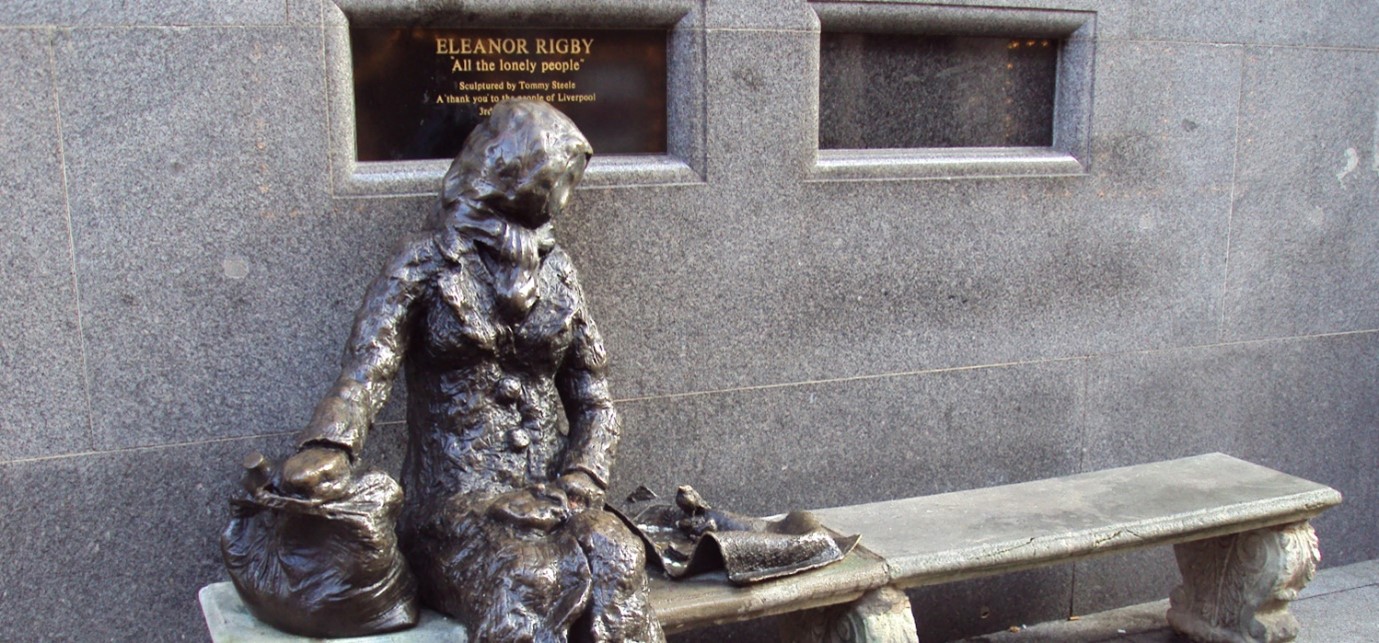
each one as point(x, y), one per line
point(1240, 533)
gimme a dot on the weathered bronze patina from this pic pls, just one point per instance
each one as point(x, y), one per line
point(321, 566)
point(511, 428)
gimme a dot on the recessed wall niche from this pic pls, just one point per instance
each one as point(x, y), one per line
point(940, 91)
point(900, 91)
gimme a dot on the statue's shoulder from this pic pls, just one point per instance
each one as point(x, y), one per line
point(560, 264)
point(558, 259)
point(415, 258)
point(564, 267)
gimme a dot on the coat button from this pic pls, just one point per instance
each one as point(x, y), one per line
point(518, 440)
point(508, 389)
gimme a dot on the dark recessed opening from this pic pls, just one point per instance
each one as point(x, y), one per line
point(882, 91)
point(419, 91)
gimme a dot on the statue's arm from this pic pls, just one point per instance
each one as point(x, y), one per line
point(373, 354)
point(595, 426)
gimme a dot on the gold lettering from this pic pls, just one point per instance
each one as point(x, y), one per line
point(575, 98)
point(560, 66)
point(564, 46)
point(528, 66)
point(492, 46)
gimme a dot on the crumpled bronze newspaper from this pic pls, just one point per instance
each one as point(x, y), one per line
point(690, 537)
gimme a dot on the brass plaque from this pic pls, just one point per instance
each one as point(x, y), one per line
point(419, 91)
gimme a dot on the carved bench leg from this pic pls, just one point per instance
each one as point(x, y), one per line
point(881, 616)
point(1236, 588)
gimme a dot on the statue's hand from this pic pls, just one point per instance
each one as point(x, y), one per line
point(539, 507)
point(582, 491)
point(317, 472)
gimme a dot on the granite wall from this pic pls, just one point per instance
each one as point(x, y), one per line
point(182, 246)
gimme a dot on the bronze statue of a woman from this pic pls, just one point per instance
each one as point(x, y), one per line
point(511, 428)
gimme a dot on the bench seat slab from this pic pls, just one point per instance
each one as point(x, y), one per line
point(229, 621)
point(709, 599)
point(967, 534)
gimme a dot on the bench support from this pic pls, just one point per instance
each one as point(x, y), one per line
point(880, 616)
point(1236, 588)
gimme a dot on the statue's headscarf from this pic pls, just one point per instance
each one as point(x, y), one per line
point(497, 190)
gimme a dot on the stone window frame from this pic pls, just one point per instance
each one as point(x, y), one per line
point(683, 162)
point(1069, 154)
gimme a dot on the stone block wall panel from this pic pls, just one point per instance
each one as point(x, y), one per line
point(41, 362)
point(1304, 221)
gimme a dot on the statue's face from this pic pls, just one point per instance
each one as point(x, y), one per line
point(543, 194)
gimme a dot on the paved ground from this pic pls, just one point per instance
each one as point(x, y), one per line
point(1340, 606)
